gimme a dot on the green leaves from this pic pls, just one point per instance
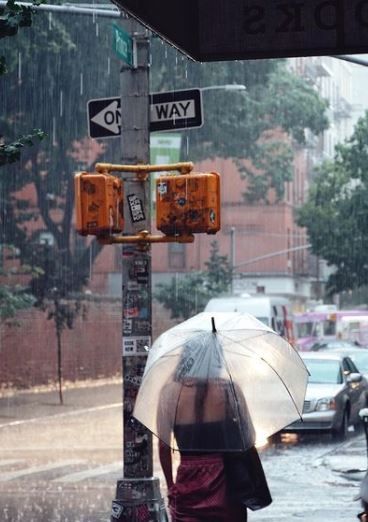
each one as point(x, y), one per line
point(54, 68)
point(336, 213)
point(271, 167)
point(13, 299)
point(188, 295)
point(256, 128)
point(218, 274)
point(14, 16)
point(11, 152)
point(294, 106)
point(184, 296)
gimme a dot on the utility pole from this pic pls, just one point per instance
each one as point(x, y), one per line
point(138, 497)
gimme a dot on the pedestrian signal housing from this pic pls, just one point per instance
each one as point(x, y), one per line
point(98, 204)
point(188, 203)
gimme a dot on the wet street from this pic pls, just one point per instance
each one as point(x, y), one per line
point(61, 463)
point(303, 484)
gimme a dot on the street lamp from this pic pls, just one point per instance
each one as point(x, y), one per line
point(237, 87)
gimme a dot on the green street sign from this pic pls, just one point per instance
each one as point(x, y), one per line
point(164, 148)
point(123, 45)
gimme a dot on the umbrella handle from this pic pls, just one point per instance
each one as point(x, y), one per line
point(213, 325)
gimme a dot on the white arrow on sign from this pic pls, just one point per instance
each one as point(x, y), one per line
point(109, 118)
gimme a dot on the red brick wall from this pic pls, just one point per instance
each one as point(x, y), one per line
point(260, 229)
point(91, 350)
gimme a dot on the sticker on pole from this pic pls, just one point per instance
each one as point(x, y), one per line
point(136, 345)
point(116, 510)
point(104, 117)
point(136, 208)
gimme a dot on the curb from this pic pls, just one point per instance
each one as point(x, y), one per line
point(349, 459)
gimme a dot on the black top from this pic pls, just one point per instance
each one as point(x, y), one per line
point(210, 436)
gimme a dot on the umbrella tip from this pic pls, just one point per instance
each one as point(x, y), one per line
point(213, 325)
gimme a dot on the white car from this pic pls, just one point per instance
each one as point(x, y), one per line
point(336, 392)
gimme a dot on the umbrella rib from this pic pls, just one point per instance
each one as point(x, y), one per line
point(286, 388)
point(253, 351)
point(158, 360)
point(271, 367)
point(237, 406)
point(250, 338)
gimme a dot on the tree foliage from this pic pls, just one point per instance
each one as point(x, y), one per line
point(10, 153)
point(189, 295)
point(53, 68)
point(12, 17)
point(336, 213)
point(13, 299)
point(258, 124)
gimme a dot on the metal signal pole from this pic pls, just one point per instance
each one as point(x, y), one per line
point(138, 497)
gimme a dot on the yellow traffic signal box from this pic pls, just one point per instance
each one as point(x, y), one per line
point(188, 203)
point(98, 204)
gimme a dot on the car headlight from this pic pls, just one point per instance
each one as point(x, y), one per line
point(325, 404)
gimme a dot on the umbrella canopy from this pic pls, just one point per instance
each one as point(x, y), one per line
point(219, 382)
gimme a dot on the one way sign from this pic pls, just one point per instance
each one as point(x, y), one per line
point(174, 110)
point(104, 117)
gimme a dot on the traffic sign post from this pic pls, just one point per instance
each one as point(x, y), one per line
point(174, 110)
point(138, 497)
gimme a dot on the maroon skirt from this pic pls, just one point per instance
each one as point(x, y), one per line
point(200, 492)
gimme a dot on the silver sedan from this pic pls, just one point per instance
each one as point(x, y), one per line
point(336, 392)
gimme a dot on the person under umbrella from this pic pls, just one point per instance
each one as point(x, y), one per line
point(207, 414)
point(212, 387)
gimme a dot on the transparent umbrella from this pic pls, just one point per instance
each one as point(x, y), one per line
point(219, 382)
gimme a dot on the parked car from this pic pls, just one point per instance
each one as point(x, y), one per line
point(359, 356)
point(331, 344)
point(336, 391)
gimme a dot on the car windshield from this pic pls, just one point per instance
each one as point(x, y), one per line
point(324, 371)
point(360, 360)
point(329, 327)
point(331, 345)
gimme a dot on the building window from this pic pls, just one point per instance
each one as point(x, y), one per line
point(176, 253)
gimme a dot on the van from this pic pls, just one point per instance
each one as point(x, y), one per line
point(272, 311)
point(348, 325)
point(354, 329)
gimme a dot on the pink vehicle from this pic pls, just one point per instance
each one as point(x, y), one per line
point(314, 326)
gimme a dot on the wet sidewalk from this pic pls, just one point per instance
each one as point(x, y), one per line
point(349, 460)
point(43, 401)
